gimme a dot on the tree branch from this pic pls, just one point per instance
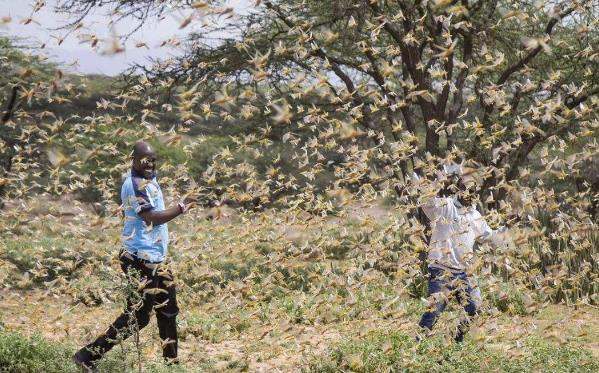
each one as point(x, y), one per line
point(524, 60)
point(461, 79)
point(518, 155)
point(410, 58)
point(347, 81)
point(10, 105)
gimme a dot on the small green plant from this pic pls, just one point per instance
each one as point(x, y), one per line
point(509, 300)
point(210, 328)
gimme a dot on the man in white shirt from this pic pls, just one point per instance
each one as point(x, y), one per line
point(455, 226)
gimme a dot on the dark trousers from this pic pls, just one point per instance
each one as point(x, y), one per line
point(150, 287)
point(443, 285)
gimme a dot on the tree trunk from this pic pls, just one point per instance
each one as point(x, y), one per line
point(7, 163)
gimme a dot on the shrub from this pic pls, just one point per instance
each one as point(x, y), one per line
point(45, 258)
point(508, 300)
point(21, 354)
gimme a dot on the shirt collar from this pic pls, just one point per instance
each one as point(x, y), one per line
point(137, 174)
point(461, 207)
point(455, 201)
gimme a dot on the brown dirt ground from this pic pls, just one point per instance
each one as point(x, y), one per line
point(284, 346)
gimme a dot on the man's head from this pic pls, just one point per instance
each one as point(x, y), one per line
point(144, 159)
point(468, 189)
point(458, 182)
point(449, 175)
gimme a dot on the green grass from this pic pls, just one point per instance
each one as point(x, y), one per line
point(207, 327)
point(34, 354)
point(391, 351)
point(43, 259)
point(52, 262)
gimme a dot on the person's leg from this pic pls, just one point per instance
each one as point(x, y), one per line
point(437, 287)
point(135, 317)
point(166, 314)
point(469, 296)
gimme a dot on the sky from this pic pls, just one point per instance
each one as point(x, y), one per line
point(78, 56)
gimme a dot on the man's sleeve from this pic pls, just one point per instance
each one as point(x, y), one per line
point(481, 228)
point(142, 201)
point(431, 208)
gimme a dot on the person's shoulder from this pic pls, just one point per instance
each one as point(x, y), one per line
point(444, 201)
point(475, 213)
point(437, 202)
point(154, 182)
point(137, 185)
point(125, 180)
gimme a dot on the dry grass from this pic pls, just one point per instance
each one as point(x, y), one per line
point(268, 292)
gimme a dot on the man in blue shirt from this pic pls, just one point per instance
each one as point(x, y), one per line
point(145, 244)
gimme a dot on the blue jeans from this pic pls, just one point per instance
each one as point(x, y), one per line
point(442, 285)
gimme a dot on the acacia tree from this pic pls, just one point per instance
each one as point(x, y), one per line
point(366, 91)
point(421, 65)
point(358, 94)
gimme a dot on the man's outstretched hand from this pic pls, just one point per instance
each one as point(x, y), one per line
point(190, 201)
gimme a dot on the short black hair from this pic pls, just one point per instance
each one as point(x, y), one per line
point(141, 148)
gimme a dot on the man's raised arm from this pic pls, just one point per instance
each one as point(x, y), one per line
point(160, 217)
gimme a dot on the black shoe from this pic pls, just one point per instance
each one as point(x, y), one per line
point(83, 359)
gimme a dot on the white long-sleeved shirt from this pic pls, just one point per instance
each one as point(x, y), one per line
point(454, 230)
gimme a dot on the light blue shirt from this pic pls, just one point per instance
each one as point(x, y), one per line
point(140, 194)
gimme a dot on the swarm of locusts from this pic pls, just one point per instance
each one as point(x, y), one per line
point(312, 133)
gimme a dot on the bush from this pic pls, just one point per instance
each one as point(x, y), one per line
point(20, 354)
point(509, 300)
point(574, 255)
point(44, 259)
